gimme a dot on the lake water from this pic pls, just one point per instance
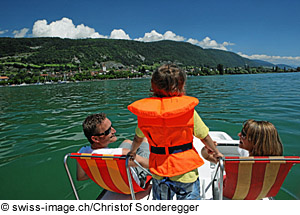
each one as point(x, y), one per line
point(40, 124)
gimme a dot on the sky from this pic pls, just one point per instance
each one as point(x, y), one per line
point(267, 30)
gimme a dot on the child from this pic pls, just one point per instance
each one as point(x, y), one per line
point(169, 122)
point(259, 138)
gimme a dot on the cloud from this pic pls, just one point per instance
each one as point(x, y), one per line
point(273, 59)
point(155, 36)
point(3, 32)
point(119, 34)
point(169, 35)
point(63, 28)
point(209, 43)
point(150, 37)
point(21, 33)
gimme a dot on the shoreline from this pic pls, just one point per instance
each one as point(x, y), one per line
point(144, 77)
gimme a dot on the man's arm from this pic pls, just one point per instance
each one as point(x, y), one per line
point(143, 161)
point(81, 175)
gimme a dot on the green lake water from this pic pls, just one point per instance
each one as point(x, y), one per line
point(40, 124)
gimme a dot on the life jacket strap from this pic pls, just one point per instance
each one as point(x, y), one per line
point(178, 190)
point(172, 149)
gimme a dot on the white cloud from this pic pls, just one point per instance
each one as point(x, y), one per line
point(209, 43)
point(193, 41)
point(274, 59)
point(169, 35)
point(21, 33)
point(228, 44)
point(3, 32)
point(63, 28)
point(150, 37)
point(119, 34)
point(155, 36)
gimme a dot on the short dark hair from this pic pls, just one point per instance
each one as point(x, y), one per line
point(167, 81)
point(90, 125)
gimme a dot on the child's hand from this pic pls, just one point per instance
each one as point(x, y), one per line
point(209, 151)
point(131, 155)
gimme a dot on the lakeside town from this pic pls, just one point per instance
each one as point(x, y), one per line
point(38, 61)
point(50, 75)
point(10, 75)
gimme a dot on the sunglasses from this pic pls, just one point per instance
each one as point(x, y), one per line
point(105, 133)
point(243, 134)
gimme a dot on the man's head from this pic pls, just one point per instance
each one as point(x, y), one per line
point(98, 130)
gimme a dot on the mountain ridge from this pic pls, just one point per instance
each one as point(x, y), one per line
point(87, 53)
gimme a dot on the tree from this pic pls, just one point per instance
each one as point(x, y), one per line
point(220, 68)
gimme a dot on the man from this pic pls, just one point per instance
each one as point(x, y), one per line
point(100, 133)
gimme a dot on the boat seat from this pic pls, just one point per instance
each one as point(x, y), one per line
point(253, 177)
point(111, 172)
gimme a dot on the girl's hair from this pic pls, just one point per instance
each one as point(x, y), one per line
point(264, 137)
point(167, 81)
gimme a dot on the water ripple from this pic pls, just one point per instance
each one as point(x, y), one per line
point(39, 124)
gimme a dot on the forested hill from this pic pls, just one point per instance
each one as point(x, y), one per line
point(91, 52)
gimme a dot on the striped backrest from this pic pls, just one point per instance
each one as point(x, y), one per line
point(108, 171)
point(256, 177)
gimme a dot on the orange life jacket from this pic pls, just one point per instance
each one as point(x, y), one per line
point(168, 124)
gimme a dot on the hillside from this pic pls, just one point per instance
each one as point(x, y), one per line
point(284, 66)
point(88, 53)
point(264, 63)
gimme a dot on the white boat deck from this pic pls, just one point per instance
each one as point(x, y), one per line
point(207, 171)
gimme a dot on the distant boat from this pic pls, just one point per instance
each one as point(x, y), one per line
point(38, 82)
point(48, 82)
point(64, 81)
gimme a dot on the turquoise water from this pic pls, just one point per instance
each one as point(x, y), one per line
point(40, 124)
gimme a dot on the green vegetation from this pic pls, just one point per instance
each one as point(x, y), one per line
point(88, 53)
point(32, 60)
